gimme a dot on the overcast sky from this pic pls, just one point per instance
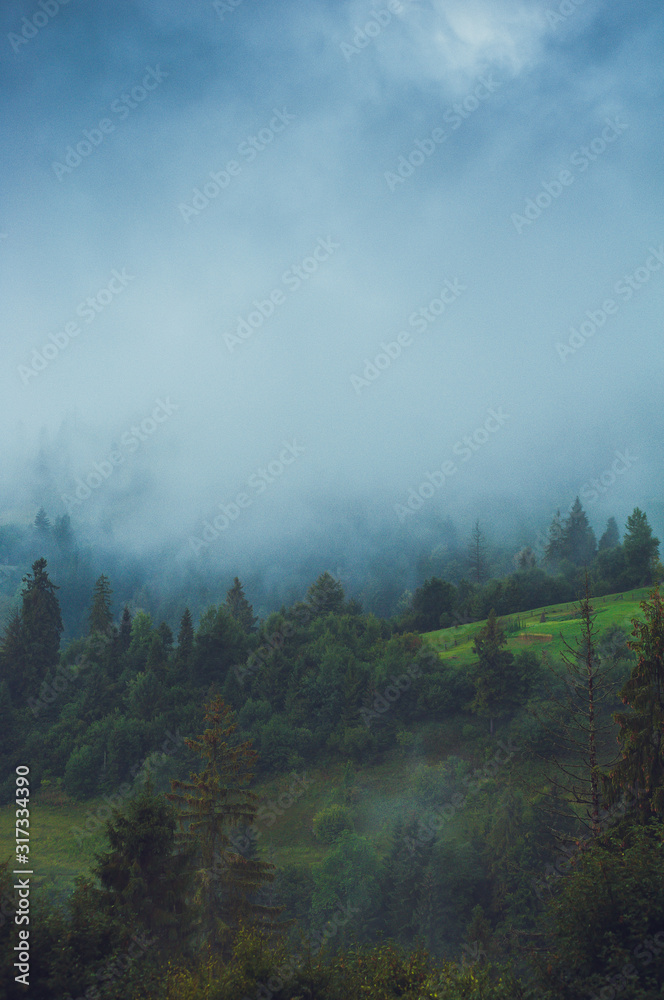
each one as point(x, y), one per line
point(329, 240)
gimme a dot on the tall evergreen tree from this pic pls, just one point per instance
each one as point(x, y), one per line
point(42, 523)
point(493, 674)
point(477, 555)
point(554, 550)
point(125, 630)
point(640, 548)
point(240, 608)
point(579, 544)
point(101, 618)
point(62, 532)
point(641, 735)
point(185, 637)
point(145, 877)
point(212, 804)
point(13, 654)
point(326, 595)
point(611, 537)
point(42, 622)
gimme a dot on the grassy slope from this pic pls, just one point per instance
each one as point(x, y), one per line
point(57, 857)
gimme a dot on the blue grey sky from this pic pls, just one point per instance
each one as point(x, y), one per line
point(364, 231)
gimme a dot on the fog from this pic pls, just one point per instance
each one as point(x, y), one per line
point(262, 266)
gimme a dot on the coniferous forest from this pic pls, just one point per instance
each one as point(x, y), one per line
point(331, 511)
point(470, 800)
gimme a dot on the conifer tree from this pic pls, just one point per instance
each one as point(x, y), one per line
point(125, 630)
point(611, 537)
point(212, 804)
point(13, 653)
point(554, 550)
point(240, 608)
point(493, 675)
point(641, 736)
point(145, 877)
point(41, 522)
point(477, 554)
point(185, 636)
point(42, 623)
point(576, 728)
point(326, 595)
point(578, 541)
point(100, 618)
point(640, 548)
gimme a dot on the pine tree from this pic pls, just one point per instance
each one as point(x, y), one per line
point(554, 551)
point(240, 608)
point(477, 555)
point(578, 541)
point(145, 879)
point(574, 725)
point(13, 654)
point(42, 623)
point(326, 595)
point(641, 735)
point(212, 804)
point(185, 636)
point(493, 675)
point(125, 630)
point(42, 523)
point(611, 537)
point(640, 548)
point(100, 618)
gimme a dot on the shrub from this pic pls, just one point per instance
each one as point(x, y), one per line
point(331, 822)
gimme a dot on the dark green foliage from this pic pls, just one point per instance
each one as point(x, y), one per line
point(41, 522)
point(101, 617)
point(125, 630)
point(220, 643)
point(641, 549)
point(493, 675)
point(331, 822)
point(240, 608)
point(431, 607)
point(607, 919)
point(326, 595)
point(41, 624)
point(145, 878)
point(641, 735)
point(611, 537)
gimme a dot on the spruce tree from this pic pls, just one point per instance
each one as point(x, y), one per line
point(145, 877)
point(641, 736)
point(640, 548)
point(125, 630)
point(554, 550)
point(240, 608)
point(42, 623)
point(41, 522)
point(578, 541)
point(477, 560)
point(212, 804)
point(326, 595)
point(185, 636)
point(611, 537)
point(493, 674)
point(100, 618)
point(13, 654)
